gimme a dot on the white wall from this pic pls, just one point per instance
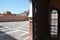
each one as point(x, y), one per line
point(30, 11)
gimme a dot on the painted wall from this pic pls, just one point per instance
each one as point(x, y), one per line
point(30, 11)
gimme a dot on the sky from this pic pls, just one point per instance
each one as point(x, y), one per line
point(14, 6)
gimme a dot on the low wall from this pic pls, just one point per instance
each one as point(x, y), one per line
point(13, 18)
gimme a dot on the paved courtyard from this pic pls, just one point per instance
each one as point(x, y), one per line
point(15, 30)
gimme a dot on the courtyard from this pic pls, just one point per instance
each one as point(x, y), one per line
point(15, 30)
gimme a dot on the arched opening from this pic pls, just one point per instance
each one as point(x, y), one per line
point(15, 20)
point(53, 23)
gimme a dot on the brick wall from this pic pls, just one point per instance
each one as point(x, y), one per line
point(12, 18)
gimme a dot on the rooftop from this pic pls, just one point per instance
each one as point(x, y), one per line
point(6, 12)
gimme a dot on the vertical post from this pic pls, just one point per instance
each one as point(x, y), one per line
point(42, 16)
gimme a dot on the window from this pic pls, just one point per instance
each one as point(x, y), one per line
point(54, 23)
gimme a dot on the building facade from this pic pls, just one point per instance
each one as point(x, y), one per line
point(8, 16)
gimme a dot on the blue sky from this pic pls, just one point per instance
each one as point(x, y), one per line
point(14, 6)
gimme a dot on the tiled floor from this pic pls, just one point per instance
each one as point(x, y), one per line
point(15, 30)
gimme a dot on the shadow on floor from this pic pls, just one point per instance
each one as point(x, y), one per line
point(4, 36)
point(1, 26)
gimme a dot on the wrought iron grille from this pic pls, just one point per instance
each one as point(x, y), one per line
point(54, 23)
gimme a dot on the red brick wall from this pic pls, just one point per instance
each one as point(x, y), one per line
point(31, 31)
point(13, 18)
